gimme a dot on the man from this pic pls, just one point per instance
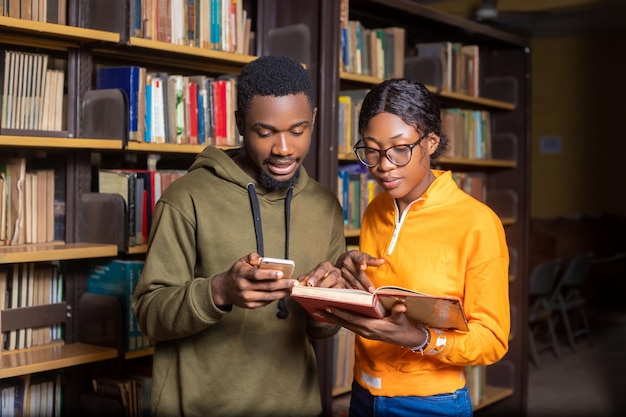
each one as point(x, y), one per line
point(228, 339)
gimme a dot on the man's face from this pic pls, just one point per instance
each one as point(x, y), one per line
point(277, 135)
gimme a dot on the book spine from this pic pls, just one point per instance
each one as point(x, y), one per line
point(132, 185)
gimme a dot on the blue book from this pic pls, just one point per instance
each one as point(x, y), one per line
point(148, 116)
point(128, 79)
point(119, 278)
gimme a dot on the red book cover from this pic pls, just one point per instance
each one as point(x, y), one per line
point(219, 111)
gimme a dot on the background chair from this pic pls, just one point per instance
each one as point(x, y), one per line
point(543, 279)
point(568, 299)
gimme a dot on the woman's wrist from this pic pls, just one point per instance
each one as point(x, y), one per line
point(420, 348)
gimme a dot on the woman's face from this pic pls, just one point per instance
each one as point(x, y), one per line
point(403, 183)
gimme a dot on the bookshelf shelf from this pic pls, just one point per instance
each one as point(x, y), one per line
point(477, 163)
point(132, 250)
point(457, 162)
point(179, 56)
point(445, 96)
point(164, 147)
point(50, 35)
point(492, 395)
point(139, 353)
point(50, 357)
point(54, 252)
point(366, 80)
point(62, 143)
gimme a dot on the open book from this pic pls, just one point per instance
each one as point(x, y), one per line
point(434, 311)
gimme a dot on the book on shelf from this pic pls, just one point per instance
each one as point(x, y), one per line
point(395, 40)
point(119, 278)
point(132, 80)
point(15, 174)
point(125, 391)
point(350, 105)
point(124, 183)
point(475, 378)
point(343, 360)
point(434, 311)
point(24, 285)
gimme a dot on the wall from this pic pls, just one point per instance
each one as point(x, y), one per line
point(579, 93)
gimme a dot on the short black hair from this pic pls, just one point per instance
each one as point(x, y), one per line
point(272, 75)
point(412, 102)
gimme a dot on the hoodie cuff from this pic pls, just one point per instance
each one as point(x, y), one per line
point(204, 301)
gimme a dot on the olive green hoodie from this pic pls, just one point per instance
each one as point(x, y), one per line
point(210, 362)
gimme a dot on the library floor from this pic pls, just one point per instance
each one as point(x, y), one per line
point(588, 382)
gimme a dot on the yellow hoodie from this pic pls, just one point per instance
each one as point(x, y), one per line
point(446, 243)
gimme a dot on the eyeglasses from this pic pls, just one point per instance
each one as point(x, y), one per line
point(398, 155)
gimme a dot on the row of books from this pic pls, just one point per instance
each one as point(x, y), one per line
point(126, 395)
point(459, 65)
point(355, 190)
point(32, 395)
point(221, 25)
point(27, 203)
point(473, 183)
point(349, 108)
point(377, 52)
point(175, 108)
point(475, 378)
point(119, 278)
point(50, 11)
point(343, 360)
point(32, 92)
point(140, 190)
point(468, 131)
point(26, 285)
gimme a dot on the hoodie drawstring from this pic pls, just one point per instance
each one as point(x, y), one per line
point(283, 312)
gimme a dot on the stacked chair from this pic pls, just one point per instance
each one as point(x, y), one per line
point(541, 332)
point(568, 300)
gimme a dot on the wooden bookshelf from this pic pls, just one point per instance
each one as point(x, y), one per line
point(50, 35)
point(54, 252)
point(49, 357)
point(60, 143)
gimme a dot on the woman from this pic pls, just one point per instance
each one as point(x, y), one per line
point(423, 233)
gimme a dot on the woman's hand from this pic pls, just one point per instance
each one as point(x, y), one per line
point(395, 328)
point(353, 265)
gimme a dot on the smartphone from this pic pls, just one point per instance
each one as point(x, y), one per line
point(285, 265)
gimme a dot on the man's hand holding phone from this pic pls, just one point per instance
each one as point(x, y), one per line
point(285, 265)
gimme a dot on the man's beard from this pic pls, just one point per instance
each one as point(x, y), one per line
point(271, 184)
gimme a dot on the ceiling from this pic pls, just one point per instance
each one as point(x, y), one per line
point(541, 18)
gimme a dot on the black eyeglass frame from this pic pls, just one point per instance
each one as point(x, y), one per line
point(382, 152)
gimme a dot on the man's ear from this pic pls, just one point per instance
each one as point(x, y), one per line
point(313, 118)
point(240, 123)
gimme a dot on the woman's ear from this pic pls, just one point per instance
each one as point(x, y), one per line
point(432, 143)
